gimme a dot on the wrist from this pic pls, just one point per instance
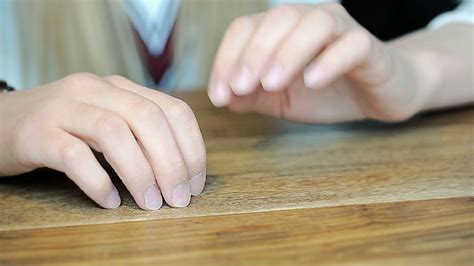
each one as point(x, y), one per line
point(8, 162)
point(417, 72)
point(3, 128)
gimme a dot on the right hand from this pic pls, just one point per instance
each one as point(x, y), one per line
point(315, 64)
point(151, 139)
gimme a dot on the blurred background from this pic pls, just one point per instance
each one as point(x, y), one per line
point(166, 44)
point(44, 40)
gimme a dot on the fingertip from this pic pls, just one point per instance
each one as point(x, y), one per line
point(197, 183)
point(243, 81)
point(274, 79)
point(219, 94)
point(181, 195)
point(315, 77)
point(153, 198)
point(113, 200)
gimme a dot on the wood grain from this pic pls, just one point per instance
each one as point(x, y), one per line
point(258, 164)
point(432, 232)
point(362, 193)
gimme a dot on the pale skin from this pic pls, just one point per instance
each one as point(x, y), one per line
point(306, 63)
point(151, 140)
point(315, 64)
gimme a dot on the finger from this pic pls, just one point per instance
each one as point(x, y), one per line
point(316, 30)
point(184, 126)
point(234, 41)
point(267, 103)
point(63, 152)
point(275, 26)
point(346, 53)
point(258, 101)
point(114, 138)
point(150, 126)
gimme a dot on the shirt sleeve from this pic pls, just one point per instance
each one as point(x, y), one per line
point(464, 13)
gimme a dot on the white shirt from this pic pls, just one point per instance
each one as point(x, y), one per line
point(464, 13)
point(154, 20)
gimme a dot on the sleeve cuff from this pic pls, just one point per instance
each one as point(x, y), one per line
point(464, 13)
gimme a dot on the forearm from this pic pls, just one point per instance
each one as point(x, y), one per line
point(442, 64)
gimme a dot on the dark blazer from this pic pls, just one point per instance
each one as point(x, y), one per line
point(388, 19)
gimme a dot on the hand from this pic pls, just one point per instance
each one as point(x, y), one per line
point(311, 63)
point(151, 140)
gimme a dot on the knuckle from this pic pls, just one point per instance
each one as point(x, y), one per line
point(98, 187)
point(116, 78)
point(80, 81)
point(179, 109)
point(284, 12)
point(80, 78)
point(145, 109)
point(72, 152)
point(108, 125)
point(363, 39)
point(326, 19)
point(240, 24)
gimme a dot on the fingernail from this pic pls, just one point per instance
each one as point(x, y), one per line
point(113, 199)
point(153, 199)
point(219, 94)
point(181, 195)
point(314, 77)
point(242, 81)
point(274, 78)
point(197, 183)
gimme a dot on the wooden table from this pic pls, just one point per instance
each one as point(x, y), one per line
point(277, 193)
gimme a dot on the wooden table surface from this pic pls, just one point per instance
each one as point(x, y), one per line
point(362, 193)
